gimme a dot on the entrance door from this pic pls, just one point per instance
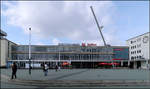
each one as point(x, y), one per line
point(138, 64)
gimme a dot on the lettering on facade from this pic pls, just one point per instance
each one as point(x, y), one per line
point(88, 44)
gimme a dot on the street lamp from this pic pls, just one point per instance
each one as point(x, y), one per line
point(59, 58)
point(30, 51)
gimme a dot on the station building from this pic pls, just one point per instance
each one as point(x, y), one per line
point(139, 50)
point(78, 56)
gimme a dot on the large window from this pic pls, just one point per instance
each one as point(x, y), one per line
point(40, 49)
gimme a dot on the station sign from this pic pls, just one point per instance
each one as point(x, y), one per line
point(88, 44)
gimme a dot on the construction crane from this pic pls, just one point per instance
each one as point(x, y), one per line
point(99, 27)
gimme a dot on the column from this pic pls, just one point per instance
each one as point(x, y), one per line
point(121, 63)
point(128, 63)
point(135, 65)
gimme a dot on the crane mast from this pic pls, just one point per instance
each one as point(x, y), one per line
point(99, 27)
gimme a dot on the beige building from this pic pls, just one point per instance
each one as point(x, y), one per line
point(5, 49)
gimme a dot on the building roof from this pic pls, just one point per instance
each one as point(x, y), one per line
point(138, 36)
point(2, 33)
point(75, 46)
point(8, 41)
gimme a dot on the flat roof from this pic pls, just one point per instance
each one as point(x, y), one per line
point(8, 41)
point(2, 33)
point(138, 36)
point(75, 45)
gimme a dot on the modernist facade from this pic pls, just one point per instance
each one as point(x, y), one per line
point(79, 56)
point(139, 49)
point(73, 53)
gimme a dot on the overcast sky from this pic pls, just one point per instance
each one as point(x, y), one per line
point(54, 22)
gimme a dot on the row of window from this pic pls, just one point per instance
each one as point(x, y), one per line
point(61, 49)
point(62, 57)
point(139, 39)
point(136, 57)
point(134, 52)
point(133, 42)
point(133, 47)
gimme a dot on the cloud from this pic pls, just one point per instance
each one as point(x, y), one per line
point(39, 43)
point(61, 20)
point(55, 41)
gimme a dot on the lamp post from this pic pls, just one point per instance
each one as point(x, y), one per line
point(59, 58)
point(30, 51)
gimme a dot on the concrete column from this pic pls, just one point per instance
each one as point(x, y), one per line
point(121, 63)
point(135, 65)
point(128, 63)
point(112, 64)
point(147, 65)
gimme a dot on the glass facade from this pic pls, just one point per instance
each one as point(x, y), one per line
point(70, 52)
point(121, 53)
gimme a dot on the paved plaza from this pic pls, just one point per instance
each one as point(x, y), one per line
point(98, 78)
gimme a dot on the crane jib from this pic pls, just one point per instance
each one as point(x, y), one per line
point(99, 27)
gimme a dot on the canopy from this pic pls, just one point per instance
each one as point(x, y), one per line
point(65, 63)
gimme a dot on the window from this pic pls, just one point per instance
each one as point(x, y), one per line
point(138, 51)
point(132, 57)
point(139, 39)
point(40, 49)
point(139, 45)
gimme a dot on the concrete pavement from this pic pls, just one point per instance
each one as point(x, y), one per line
point(77, 78)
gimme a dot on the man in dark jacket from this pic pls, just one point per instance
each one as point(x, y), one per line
point(14, 70)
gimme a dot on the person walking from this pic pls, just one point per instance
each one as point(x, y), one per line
point(56, 67)
point(14, 70)
point(45, 69)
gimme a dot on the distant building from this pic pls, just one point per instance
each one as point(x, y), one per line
point(139, 50)
point(5, 49)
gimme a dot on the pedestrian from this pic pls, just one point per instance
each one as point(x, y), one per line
point(59, 68)
point(14, 70)
point(45, 69)
point(56, 67)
